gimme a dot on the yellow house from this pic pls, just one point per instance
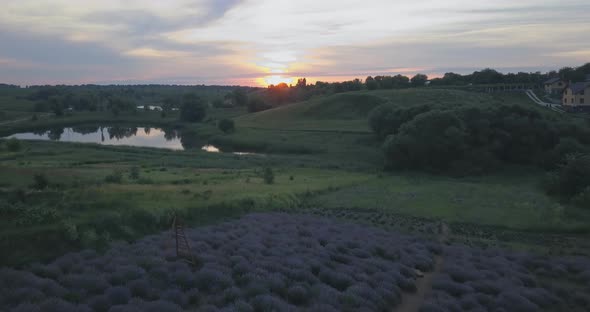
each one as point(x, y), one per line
point(554, 85)
point(576, 97)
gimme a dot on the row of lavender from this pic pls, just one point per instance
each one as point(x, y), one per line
point(262, 262)
point(284, 262)
point(497, 280)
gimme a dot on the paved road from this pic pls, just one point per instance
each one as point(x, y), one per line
point(535, 98)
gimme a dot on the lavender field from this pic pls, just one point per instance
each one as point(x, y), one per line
point(284, 262)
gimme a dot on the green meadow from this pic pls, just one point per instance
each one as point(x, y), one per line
point(321, 152)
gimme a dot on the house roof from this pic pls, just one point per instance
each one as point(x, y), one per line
point(578, 87)
point(552, 80)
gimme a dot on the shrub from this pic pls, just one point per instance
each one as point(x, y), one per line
point(210, 280)
point(226, 125)
point(134, 173)
point(26, 307)
point(118, 295)
point(297, 295)
point(160, 306)
point(335, 279)
point(241, 306)
point(175, 296)
point(40, 181)
point(452, 288)
point(57, 305)
point(514, 302)
point(115, 177)
point(269, 303)
point(583, 198)
point(100, 303)
point(89, 238)
point(91, 283)
point(268, 175)
point(13, 145)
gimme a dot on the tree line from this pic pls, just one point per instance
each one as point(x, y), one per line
point(467, 140)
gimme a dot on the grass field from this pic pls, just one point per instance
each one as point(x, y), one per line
point(321, 152)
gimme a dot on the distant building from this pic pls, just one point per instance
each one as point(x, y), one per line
point(576, 97)
point(554, 85)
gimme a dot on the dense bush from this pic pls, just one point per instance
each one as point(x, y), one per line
point(40, 181)
point(226, 125)
point(193, 108)
point(469, 139)
point(572, 180)
point(115, 177)
point(13, 145)
point(268, 175)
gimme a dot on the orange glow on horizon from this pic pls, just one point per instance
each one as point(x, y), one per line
point(274, 80)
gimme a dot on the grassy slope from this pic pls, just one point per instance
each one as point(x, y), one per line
point(320, 137)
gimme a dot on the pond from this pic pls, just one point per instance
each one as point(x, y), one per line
point(167, 138)
point(115, 135)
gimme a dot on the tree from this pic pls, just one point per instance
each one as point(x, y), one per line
point(217, 102)
point(431, 141)
point(226, 125)
point(301, 83)
point(419, 80)
point(240, 97)
point(134, 173)
point(192, 109)
point(371, 84)
point(13, 145)
point(268, 175)
point(574, 177)
point(40, 181)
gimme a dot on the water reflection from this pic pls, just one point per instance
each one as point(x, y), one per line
point(168, 138)
point(210, 149)
point(115, 135)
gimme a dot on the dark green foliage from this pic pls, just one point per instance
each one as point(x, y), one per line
point(40, 181)
point(193, 108)
point(134, 173)
point(13, 145)
point(268, 175)
point(572, 179)
point(431, 141)
point(226, 125)
point(217, 102)
point(239, 97)
point(386, 119)
point(468, 139)
point(115, 177)
point(419, 80)
point(371, 84)
point(257, 104)
point(120, 104)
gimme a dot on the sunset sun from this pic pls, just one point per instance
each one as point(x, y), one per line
point(276, 79)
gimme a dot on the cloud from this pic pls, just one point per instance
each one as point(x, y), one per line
point(213, 40)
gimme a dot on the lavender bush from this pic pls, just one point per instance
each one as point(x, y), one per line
point(281, 262)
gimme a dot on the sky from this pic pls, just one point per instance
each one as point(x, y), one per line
point(258, 42)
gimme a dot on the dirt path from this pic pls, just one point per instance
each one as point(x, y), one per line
point(411, 302)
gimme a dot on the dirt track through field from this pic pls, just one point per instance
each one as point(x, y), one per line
point(411, 302)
